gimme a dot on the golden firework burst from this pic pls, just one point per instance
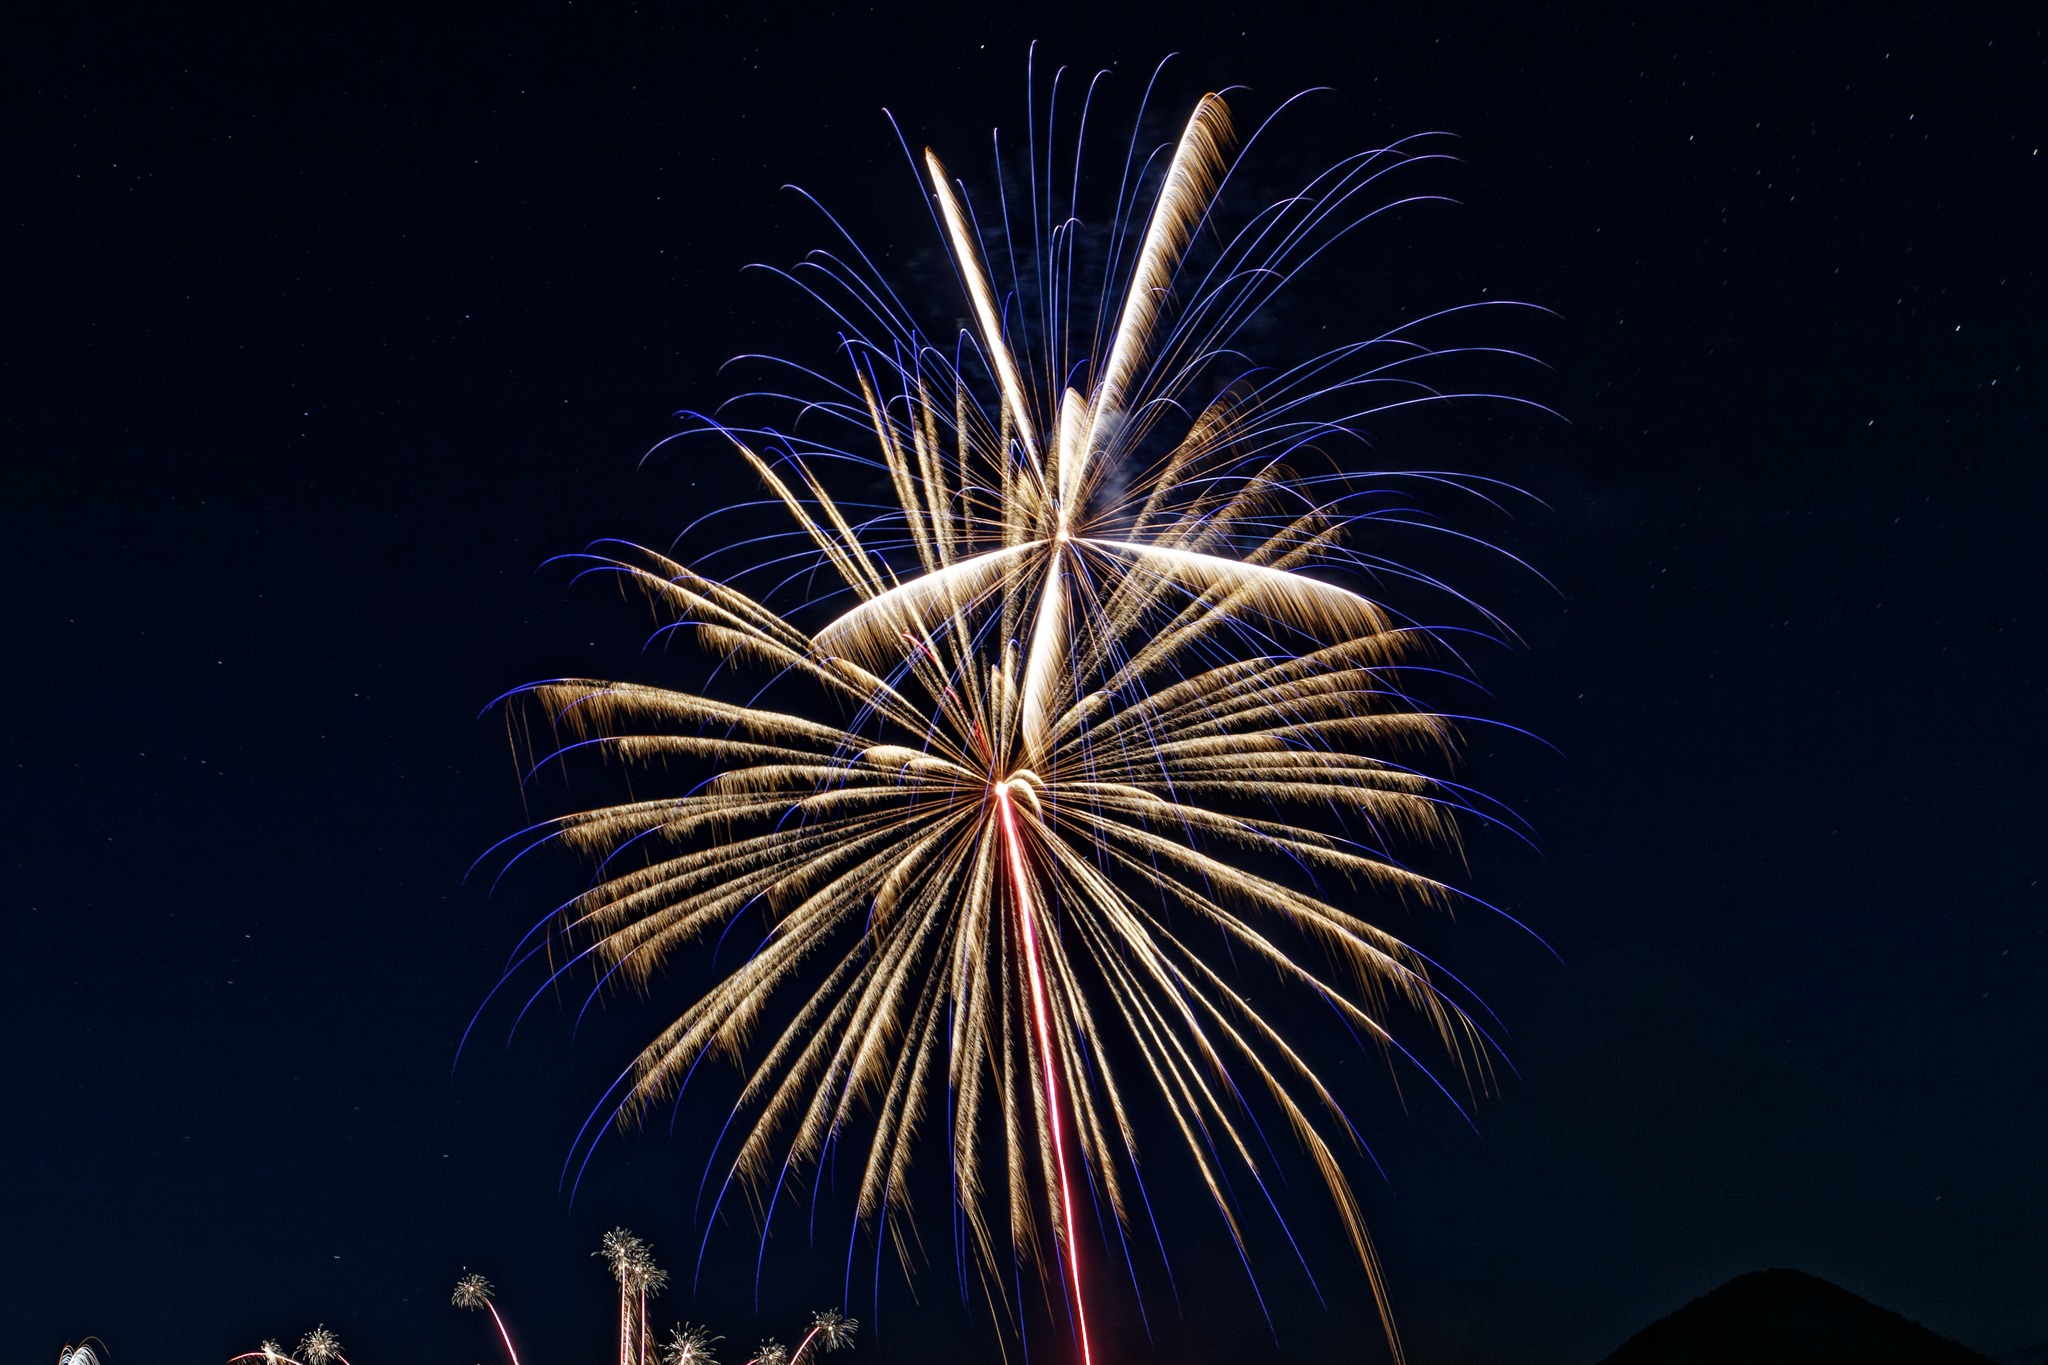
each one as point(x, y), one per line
point(1091, 713)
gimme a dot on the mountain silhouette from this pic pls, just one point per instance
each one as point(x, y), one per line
point(1787, 1317)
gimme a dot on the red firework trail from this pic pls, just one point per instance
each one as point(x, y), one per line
point(1052, 1089)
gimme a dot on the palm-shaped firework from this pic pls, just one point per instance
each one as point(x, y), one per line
point(831, 1330)
point(473, 1292)
point(320, 1347)
point(1087, 698)
point(690, 1344)
point(631, 1263)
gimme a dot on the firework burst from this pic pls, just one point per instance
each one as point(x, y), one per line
point(690, 1344)
point(473, 1292)
point(831, 1330)
point(321, 1347)
point(1088, 715)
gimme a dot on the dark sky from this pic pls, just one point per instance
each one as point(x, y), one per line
point(324, 328)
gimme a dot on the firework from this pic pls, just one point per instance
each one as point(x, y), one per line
point(473, 1292)
point(1087, 700)
point(81, 1354)
point(831, 1330)
point(320, 1346)
point(631, 1262)
point(690, 1344)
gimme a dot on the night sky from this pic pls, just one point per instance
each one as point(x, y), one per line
point(324, 328)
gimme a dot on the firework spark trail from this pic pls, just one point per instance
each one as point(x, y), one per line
point(1060, 608)
point(1026, 916)
point(503, 1335)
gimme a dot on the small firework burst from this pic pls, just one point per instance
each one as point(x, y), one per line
point(621, 1251)
point(471, 1291)
point(830, 1331)
point(690, 1344)
point(645, 1277)
point(319, 1346)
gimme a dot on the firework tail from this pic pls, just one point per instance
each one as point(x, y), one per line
point(1025, 916)
point(503, 1335)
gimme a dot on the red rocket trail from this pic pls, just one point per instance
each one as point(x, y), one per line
point(1052, 1089)
point(503, 1335)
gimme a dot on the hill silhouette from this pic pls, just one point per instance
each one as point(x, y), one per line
point(1787, 1317)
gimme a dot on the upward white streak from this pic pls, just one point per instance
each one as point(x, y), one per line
point(1048, 645)
point(983, 298)
point(1182, 197)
